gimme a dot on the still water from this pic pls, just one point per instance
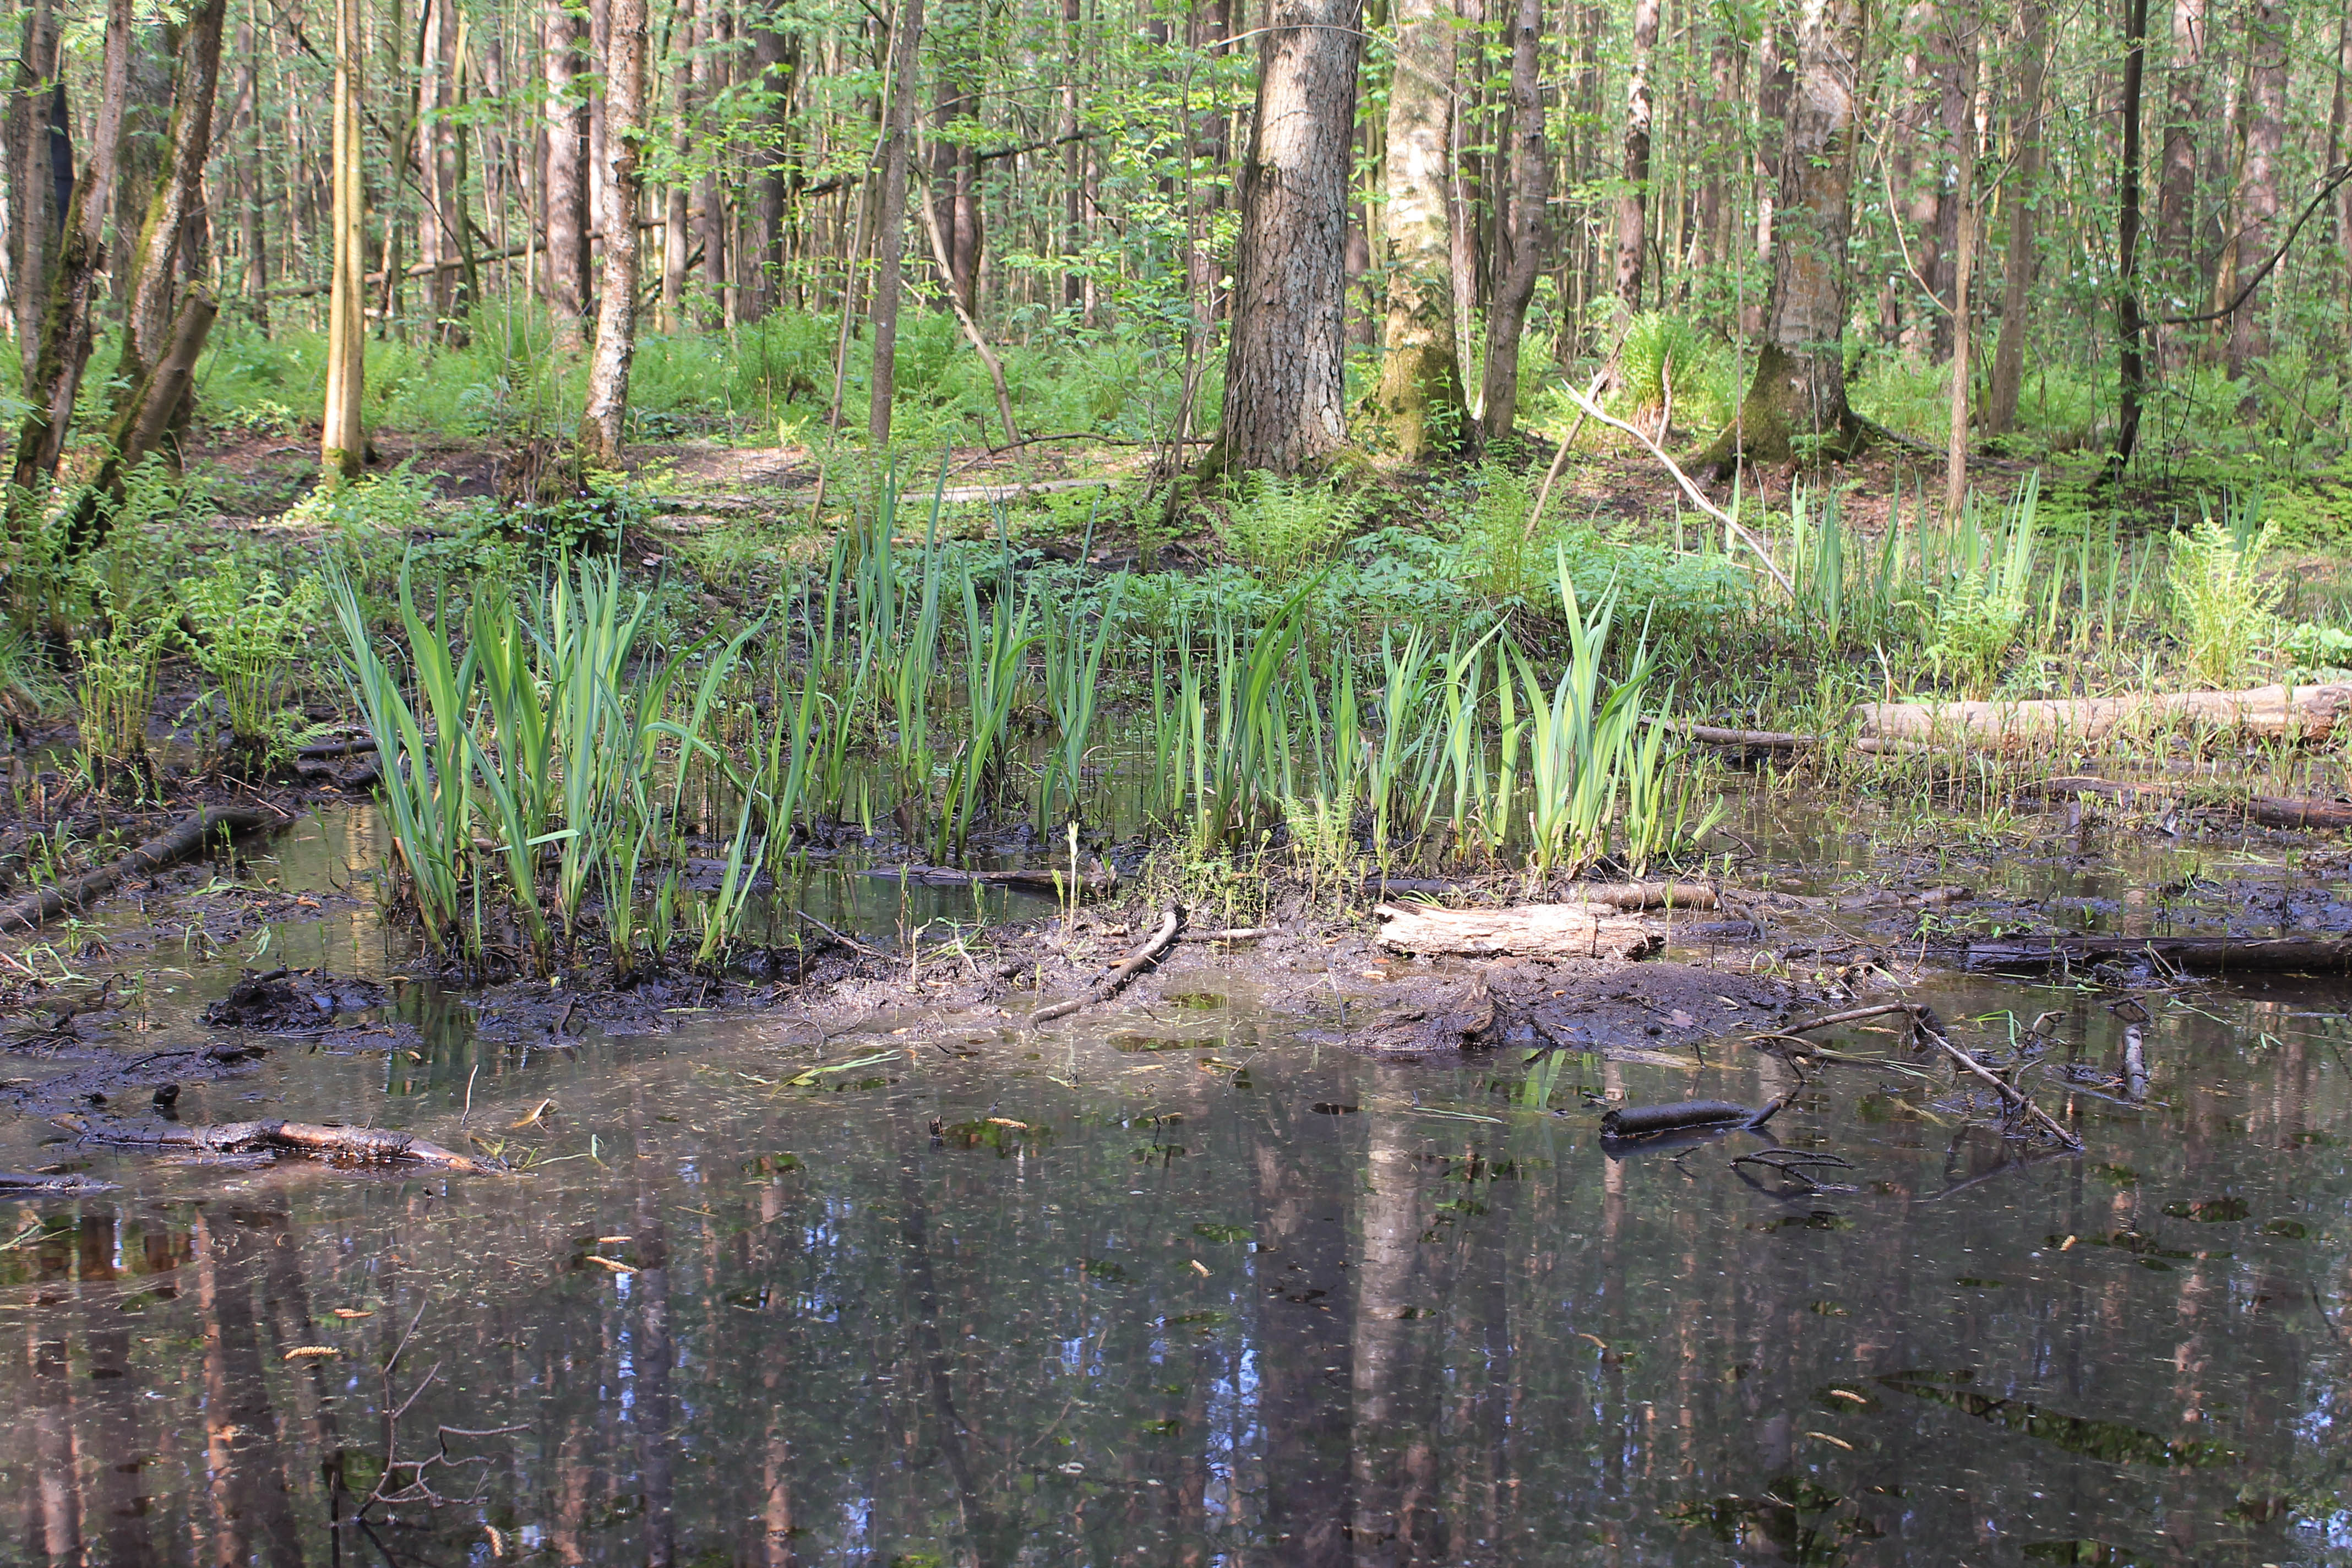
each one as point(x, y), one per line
point(1169, 1285)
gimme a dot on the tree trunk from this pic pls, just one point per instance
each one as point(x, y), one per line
point(1964, 206)
point(770, 58)
point(1526, 234)
point(1420, 374)
point(40, 176)
point(252, 232)
point(890, 235)
point(1285, 374)
point(2267, 27)
point(676, 242)
point(145, 418)
point(2343, 214)
point(2176, 201)
point(65, 337)
point(567, 153)
point(954, 176)
point(146, 110)
point(1799, 388)
point(616, 304)
point(1633, 190)
point(178, 192)
point(2132, 372)
point(711, 73)
point(2024, 192)
point(1074, 153)
point(342, 444)
point(1775, 76)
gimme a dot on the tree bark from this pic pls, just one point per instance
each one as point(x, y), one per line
point(890, 235)
point(1526, 233)
point(677, 244)
point(709, 208)
point(178, 192)
point(1633, 190)
point(40, 165)
point(2337, 116)
point(1799, 388)
point(954, 178)
point(1285, 380)
point(343, 443)
point(1965, 45)
point(2176, 201)
point(567, 153)
point(145, 418)
point(2024, 192)
point(2132, 372)
point(2267, 27)
point(252, 232)
point(616, 304)
point(65, 337)
point(772, 57)
point(1420, 372)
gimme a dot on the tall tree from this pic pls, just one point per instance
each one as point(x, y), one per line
point(1799, 387)
point(1421, 373)
point(343, 443)
point(40, 173)
point(154, 258)
point(2176, 201)
point(2131, 370)
point(65, 334)
point(565, 180)
point(2267, 27)
point(1524, 230)
point(1633, 189)
point(906, 38)
point(1285, 374)
point(1966, 51)
point(2023, 198)
point(616, 302)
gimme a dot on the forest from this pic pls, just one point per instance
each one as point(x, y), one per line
point(1350, 782)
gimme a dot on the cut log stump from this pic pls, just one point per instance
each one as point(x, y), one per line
point(1525, 931)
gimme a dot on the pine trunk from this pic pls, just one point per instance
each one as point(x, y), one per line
point(1286, 375)
point(616, 304)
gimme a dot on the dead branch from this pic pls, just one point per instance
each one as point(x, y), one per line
point(2267, 955)
point(1134, 964)
point(186, 838)
point(361, 1145)
point(1527, 931)
point(2016, 1099)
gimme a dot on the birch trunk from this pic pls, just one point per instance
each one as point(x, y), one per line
point(342, 444)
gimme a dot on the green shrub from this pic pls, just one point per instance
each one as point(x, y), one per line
point(250, 630)
point(2225, 608)
point(1286, 526)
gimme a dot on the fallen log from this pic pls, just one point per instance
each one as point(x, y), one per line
point(1629, 896)
point(1525, 931)
point(2271, 811)
point(2251, 953)
point(1134, 964)
point(187, 837)
point(2304, 712)
point(17, 1181)
point(1686, 1116)
point(1055, 882)
point(1781, 743)
point(355, 1145)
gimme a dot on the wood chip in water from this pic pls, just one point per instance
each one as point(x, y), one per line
point(608, 1263)
point(312, 1353)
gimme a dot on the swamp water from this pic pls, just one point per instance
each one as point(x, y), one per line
point(1168, 1284)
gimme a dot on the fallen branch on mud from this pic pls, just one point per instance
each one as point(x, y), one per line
point(1923, 1027)
point(187, 837)
point(2271, 811)
point(357, 1145)
point(1134, 964)
point(1784, 743)
point(1055, 882)
point(2257, 953)
point(1624, 896)
point(1525, 931)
